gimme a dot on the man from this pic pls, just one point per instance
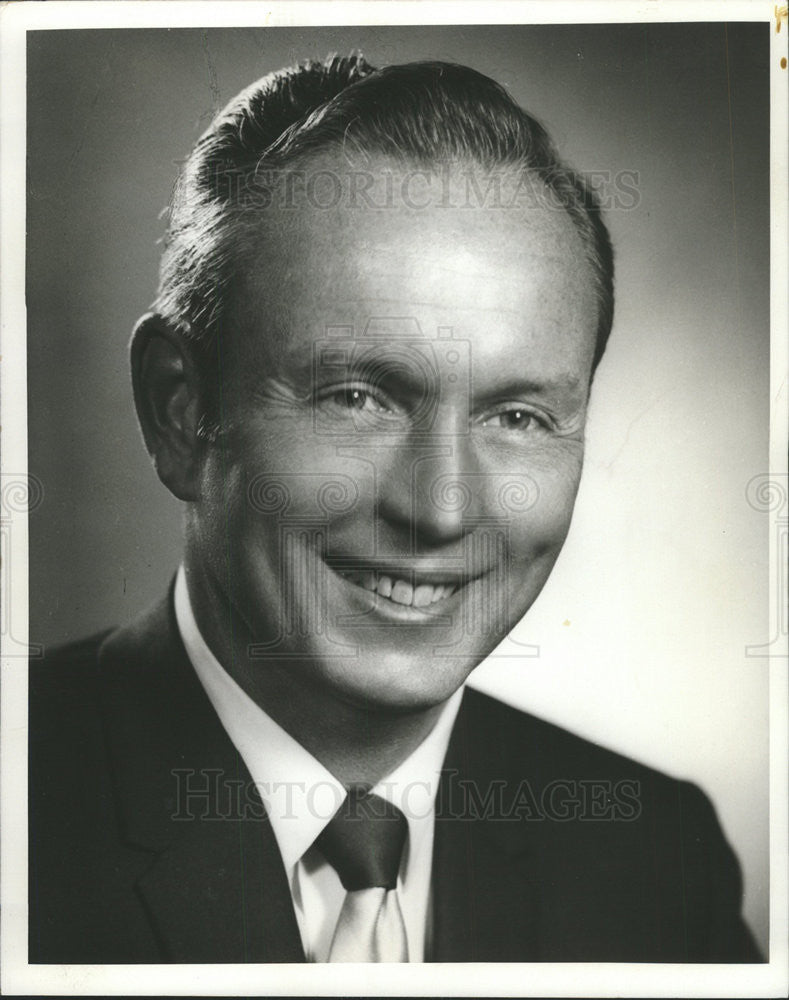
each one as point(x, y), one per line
point(366, 374)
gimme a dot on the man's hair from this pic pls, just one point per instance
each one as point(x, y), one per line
point(422, 114)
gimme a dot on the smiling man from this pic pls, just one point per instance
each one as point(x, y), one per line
point(366, 375)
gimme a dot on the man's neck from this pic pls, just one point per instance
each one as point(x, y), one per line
point(358, 743)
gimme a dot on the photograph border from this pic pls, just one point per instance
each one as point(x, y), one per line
point(593, 980)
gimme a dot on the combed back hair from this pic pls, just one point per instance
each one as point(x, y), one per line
point(422, 114)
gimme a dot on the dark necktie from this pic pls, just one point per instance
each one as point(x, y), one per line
point(363, 842)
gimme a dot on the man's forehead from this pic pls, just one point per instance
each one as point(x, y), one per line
point(457, 261)
point(349, 243)
point(375, 267)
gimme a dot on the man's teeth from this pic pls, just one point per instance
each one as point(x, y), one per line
point(401, 591)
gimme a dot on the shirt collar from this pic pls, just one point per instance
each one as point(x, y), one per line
point(299, 793)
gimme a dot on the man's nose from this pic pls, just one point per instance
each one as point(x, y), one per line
point(433, 487)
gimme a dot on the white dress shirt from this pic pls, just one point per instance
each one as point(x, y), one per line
point(301, 796)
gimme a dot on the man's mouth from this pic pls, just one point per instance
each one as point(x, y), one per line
point(410, 593)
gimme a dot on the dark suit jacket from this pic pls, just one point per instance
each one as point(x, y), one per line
point(521, 871)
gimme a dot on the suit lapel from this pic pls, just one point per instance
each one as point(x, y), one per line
point(216, 890)
point(485, 879)
point(220, 894)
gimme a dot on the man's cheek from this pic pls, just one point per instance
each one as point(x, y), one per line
point(544, 528)
point(222, 483)
point(557, 487)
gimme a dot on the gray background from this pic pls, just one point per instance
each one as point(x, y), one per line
point(663, 582)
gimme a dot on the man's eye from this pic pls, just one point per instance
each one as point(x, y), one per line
point(358, 400)
point(513, 419)
point(353, 399)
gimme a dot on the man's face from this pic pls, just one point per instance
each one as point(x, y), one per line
point(403, 408)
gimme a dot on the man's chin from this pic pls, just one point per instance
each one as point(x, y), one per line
point(399, 684)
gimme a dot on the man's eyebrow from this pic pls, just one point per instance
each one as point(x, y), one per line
point(343, 363)
point(515, 387)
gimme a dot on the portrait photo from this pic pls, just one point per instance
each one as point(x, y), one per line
point(396, 528)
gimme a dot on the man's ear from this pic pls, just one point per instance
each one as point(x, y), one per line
point(166, 394)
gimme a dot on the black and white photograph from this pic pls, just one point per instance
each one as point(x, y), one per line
point(394, 499)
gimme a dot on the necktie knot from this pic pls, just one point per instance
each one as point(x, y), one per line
point(364, 841)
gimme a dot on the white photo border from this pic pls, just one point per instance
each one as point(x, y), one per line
point(593, 980)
